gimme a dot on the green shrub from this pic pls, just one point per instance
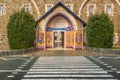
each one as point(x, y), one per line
point(100, 31)
point(21, 32)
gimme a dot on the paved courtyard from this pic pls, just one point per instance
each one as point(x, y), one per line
point(87, 67)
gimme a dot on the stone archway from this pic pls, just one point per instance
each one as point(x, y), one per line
point(63, 13)
point(56, 26)
point(59, 21)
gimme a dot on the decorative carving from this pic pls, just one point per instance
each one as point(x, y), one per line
point(58, 22)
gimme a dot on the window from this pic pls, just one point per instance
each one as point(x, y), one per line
point(91, 8)
point(115, 38)
point(80, 27)
point(109, 9)
point(48, 6)
point(1, 9)
point(26, 8)
point(70, 6)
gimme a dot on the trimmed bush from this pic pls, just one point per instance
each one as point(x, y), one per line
point(100, 31)
point(21, 32)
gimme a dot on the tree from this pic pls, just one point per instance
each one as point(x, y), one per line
point(20, 29)
point(100, 31)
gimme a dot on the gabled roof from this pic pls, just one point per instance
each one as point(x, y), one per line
point(66, 8)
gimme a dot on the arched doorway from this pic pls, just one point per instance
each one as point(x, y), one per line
point(57, 26)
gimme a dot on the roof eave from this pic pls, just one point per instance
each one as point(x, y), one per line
point(68, 10)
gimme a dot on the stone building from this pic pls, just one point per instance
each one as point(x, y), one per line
point(51, 14)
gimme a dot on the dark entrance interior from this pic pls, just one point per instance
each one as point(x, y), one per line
point(58, 39)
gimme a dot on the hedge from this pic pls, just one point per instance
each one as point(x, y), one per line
point(20, 29)
point(100, 31)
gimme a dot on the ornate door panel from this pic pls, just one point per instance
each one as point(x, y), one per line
point(79, 39)
point(49, 39)
point(40, 39)
point(69, 39)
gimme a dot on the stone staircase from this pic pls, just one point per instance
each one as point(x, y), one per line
point(66, 68)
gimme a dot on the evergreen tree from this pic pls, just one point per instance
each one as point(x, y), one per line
point(21, 33)
point(100, 31)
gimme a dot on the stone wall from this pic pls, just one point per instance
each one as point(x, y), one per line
point(102, 50)
point(38, 9)
point(100, 7)
point(17, 52)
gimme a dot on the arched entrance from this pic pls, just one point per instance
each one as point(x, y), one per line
point(60, 28)
point(57, 26)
